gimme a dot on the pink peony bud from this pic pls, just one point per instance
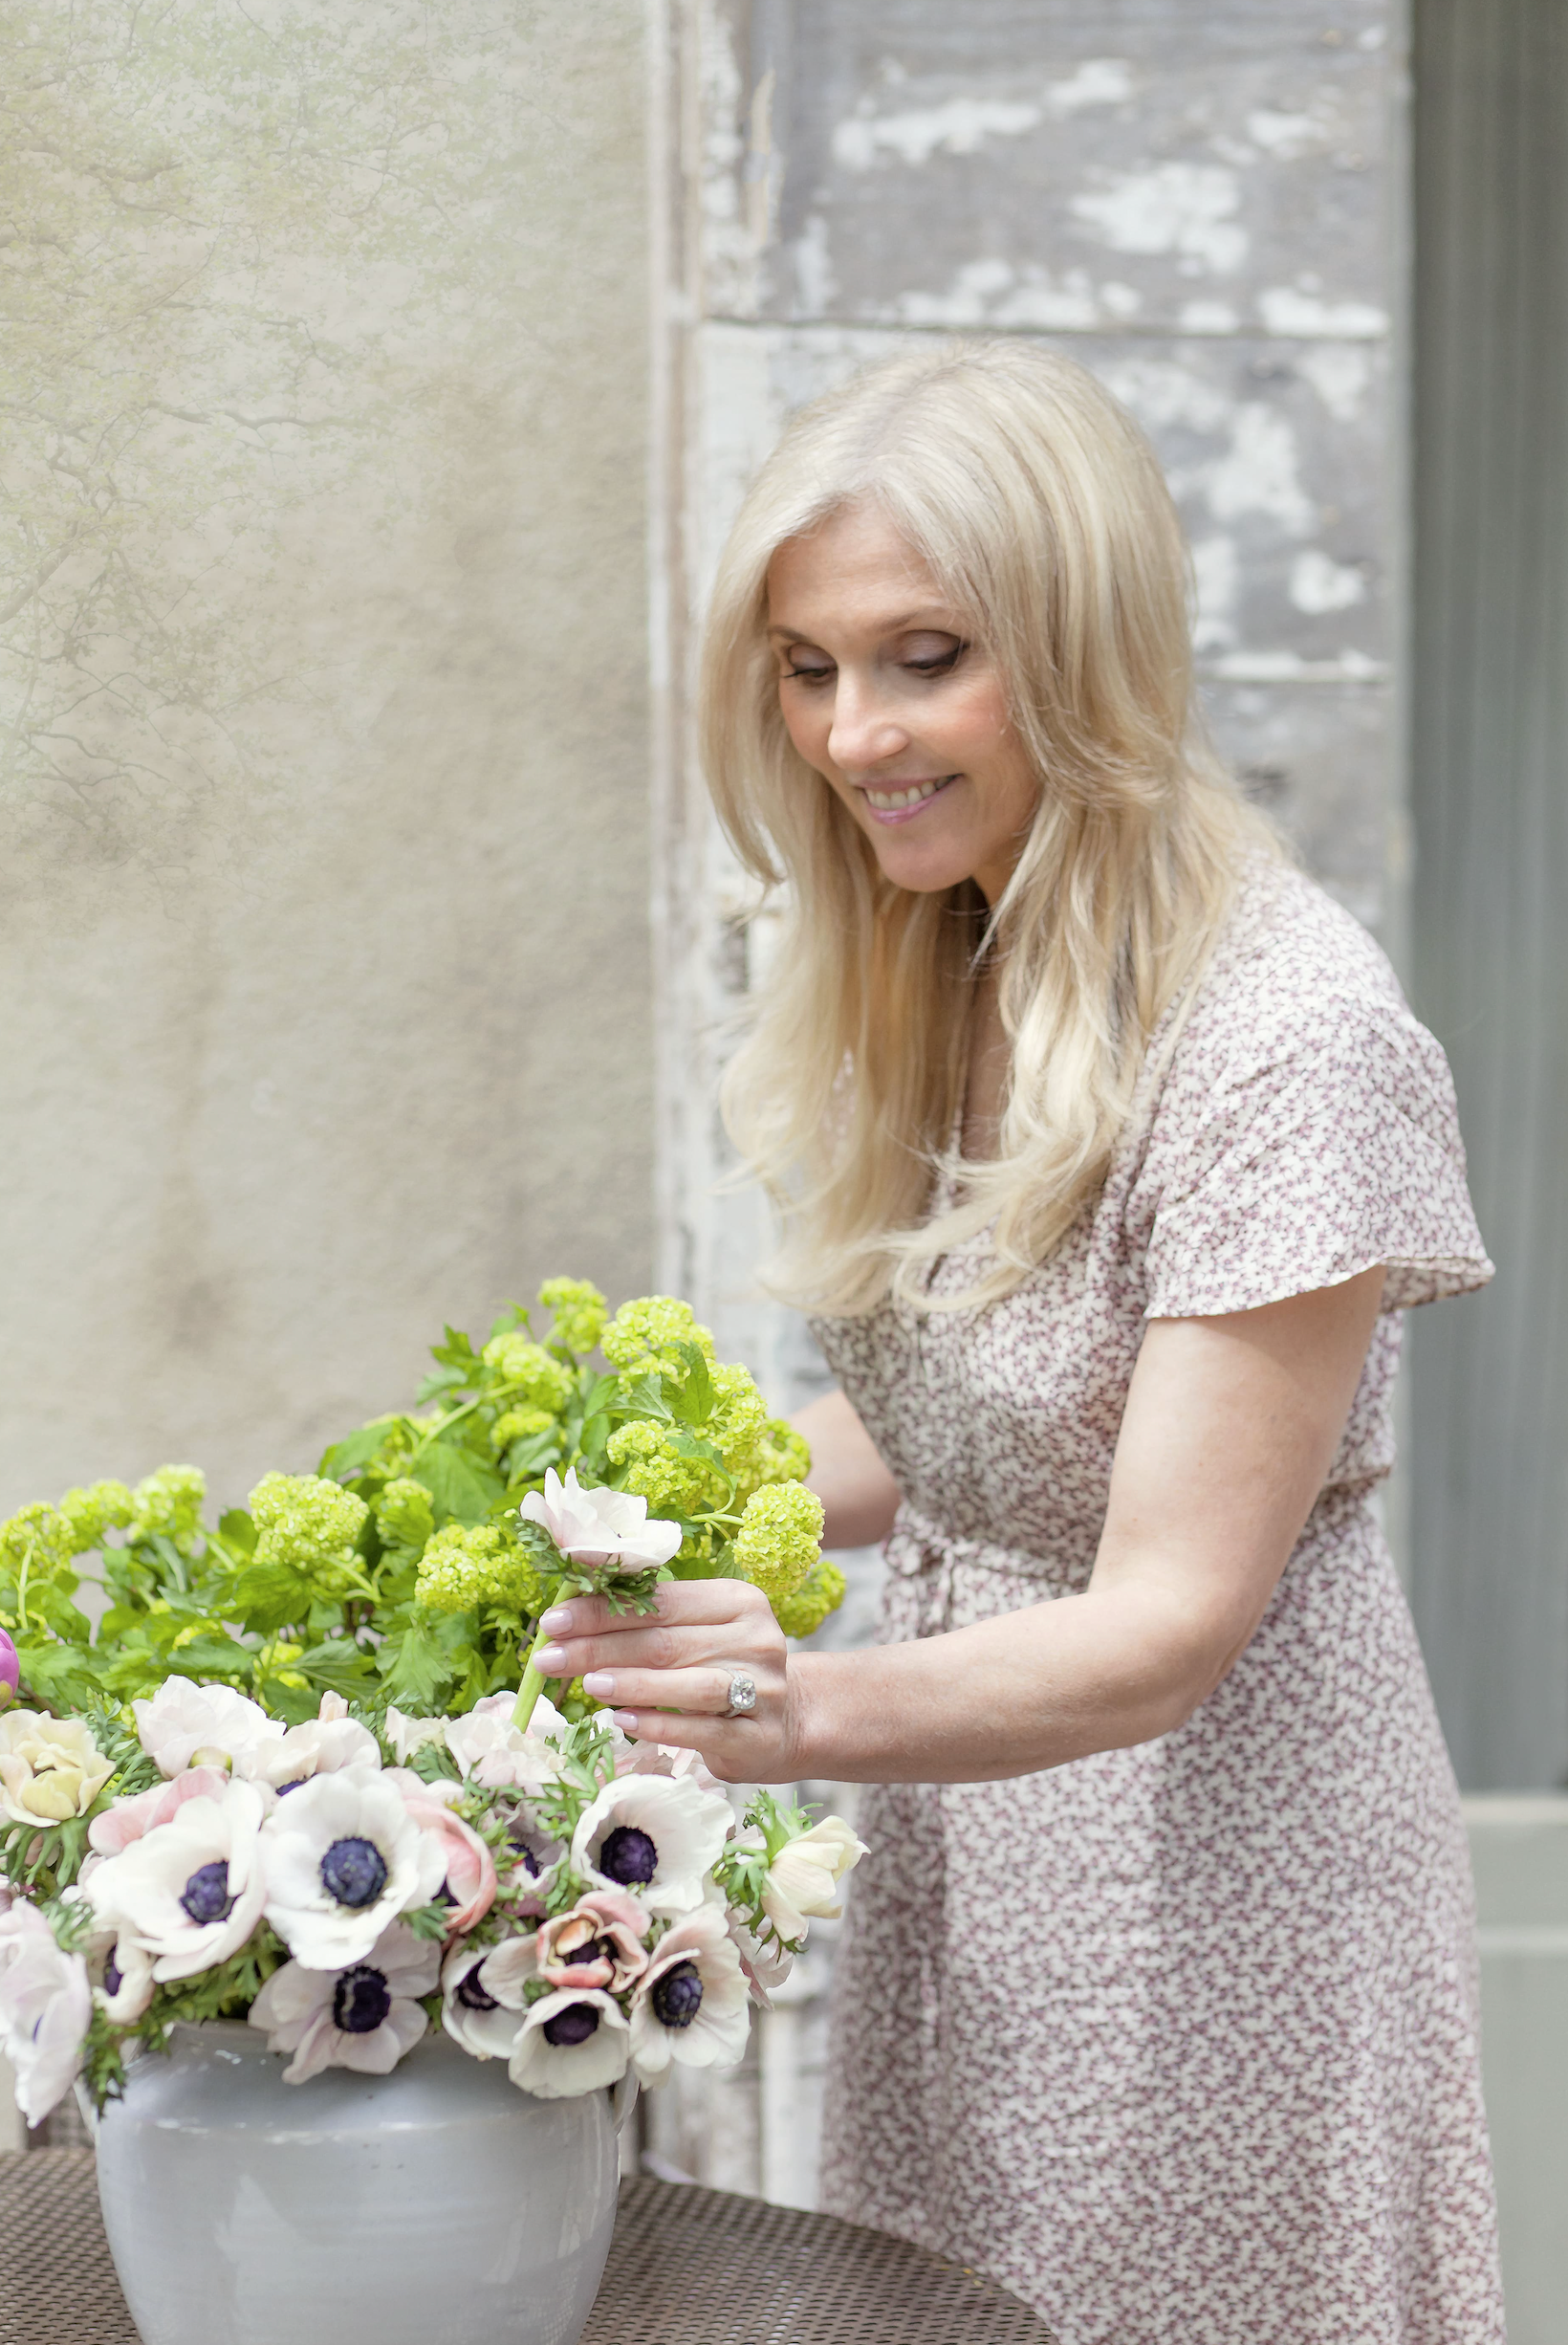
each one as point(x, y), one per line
point(10, 1669)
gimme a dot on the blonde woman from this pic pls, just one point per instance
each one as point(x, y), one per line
point(1107, 1157)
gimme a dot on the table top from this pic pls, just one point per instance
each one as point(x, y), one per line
point(688, 2266)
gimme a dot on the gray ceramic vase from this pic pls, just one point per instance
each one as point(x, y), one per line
point(438, 2205)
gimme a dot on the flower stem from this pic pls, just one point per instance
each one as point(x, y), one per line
point(532, 1685)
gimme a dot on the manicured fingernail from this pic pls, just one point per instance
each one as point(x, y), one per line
point(600, 1684)
point(557, 1621)
point(625, 1719)
point(550, 1660)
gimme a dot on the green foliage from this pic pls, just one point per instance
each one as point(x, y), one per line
point(399, 1572)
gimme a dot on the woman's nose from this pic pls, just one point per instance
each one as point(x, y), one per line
point(865, 730)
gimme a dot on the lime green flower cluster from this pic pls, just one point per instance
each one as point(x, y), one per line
point(464, 1567)
point(655, 1470)
point(47, 1540)
point(525, 1369)
point(647, 1334)
point(820, 1592)
point(404, 1517)
point(581, 1313)
point(168, 1505)
point(781, 1538)
point(310, 1525)
point(519, 1425)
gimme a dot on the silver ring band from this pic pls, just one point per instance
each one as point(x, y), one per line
point(743, 1695)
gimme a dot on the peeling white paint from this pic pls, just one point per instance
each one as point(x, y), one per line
point(1286, 136)
point(1286, 309)
point(1319, 584)
point(960, 127)
point(1290, 668)
point(1216, 573)
point(1183, 208)
point(1208, 318)
point(1257, 473)
point(1161, 393)
point(1120, 300)
point(992, 293)
point(1098, 81)
point(1339, 373)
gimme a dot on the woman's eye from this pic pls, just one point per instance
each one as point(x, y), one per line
point(936, 663)
point(808, 675)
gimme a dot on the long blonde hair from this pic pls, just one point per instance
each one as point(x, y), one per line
point(1039, 508)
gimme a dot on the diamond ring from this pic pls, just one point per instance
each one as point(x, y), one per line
point(743, 1695)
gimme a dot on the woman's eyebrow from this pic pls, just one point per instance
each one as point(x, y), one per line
point(887, 626)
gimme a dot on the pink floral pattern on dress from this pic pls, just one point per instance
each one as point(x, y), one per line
point(1213, 2071)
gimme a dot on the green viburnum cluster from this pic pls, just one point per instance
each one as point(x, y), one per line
point(400, 1571)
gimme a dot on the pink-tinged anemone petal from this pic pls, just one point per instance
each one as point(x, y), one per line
point(597, 1943)
point(10, 1669)
point(132, 1819)
point(471, 1867)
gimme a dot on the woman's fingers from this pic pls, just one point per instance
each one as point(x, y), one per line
point(704, 1692)
point(699, 1625)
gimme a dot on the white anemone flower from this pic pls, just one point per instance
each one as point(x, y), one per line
point(118, 1972)
point(344, 1859)
point(481, 2002)
point(765, 1962)
point(597, 1527)
point(190, 1891)
point(364, 2016)
point(408, 1734)
point(804, 1876)
point(185, 1724)
point(656, 1835)
point(499, 1755)
point(321, 1745)
point(691, 2002)
point(46, 2006)
point(571, 2041)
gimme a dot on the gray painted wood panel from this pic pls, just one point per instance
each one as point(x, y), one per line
point(1489, 804)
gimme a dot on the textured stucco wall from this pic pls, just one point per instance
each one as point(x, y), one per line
point(323, 894)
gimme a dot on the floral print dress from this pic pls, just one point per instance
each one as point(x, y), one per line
point(1181, 2042)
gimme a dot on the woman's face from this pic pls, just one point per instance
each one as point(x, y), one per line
point(907, 719)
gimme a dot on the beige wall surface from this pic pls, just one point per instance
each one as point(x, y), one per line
point(323, 931)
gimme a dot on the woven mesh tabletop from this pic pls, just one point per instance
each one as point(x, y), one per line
point(688, 2266)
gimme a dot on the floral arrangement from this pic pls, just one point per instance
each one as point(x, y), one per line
point(305, 1772)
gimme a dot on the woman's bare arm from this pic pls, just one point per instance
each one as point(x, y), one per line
point(1230, 1429)
point(858, 1492)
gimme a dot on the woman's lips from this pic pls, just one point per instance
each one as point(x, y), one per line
point(902, 803)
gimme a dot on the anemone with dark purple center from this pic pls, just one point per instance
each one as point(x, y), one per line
point(205, 1895)
point(470, 1994)
point(572, 2025)
point(628, 1857)
point(677, 1996)
point(113, 1978)
point(360, 2001)
point(353, 1872)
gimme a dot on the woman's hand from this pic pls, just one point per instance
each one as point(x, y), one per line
point(667, 1677)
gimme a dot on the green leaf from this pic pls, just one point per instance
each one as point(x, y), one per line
point(214, 1655)
point(693, 1402)
point(270, 1596)
point(337, 1665)
point(415, 1668)
point(60, 1674)
point(463, 1490)
point(238, 1529)
point(596, 1432)
point(344, 1459)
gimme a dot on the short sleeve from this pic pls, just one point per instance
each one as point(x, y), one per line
point(1305, 1143)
